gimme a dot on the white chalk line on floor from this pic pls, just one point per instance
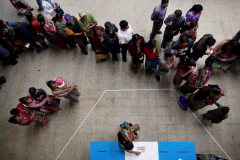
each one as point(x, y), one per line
point(125, 90)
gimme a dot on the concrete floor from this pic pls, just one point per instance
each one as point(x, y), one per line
point(156, 112)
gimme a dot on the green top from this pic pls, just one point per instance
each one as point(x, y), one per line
point(219, 116)
point(86, 23)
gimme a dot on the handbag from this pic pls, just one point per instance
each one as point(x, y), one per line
point(105, 46)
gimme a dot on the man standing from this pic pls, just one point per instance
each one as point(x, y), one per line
point(174, 22)
point(72, 28)
point(167, 61)
point(87, 22)
point(125, 34)
point(157, 17)
point(26, 33)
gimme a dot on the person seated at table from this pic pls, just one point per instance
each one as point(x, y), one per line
point(128, 133)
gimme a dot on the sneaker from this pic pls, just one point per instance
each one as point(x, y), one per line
point(157, 77)
point(40, 10)
point(85, 53)
point(159, 32)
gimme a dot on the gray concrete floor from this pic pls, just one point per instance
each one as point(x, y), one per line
point(156, 112)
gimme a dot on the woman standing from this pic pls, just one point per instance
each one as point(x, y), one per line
point(190, 30)
point(128, 133)
point(21, 6)
point(196, 80)
point(136, 50)
point(26, 119)
point(97, 39)
point(223, 55)
point(194, 13)
point(183, 70)
point(62, 88)
point(49, 27)
point(152, 54)
point(60, 25)
point(32, 19)
point(205, 96)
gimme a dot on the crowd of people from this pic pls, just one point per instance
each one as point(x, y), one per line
point(65, 30)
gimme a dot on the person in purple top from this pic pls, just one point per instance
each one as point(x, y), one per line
point(194, 13)
point(157, 17)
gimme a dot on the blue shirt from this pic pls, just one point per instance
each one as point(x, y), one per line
point(26, 33)
point(159, 13)
point(177, 23)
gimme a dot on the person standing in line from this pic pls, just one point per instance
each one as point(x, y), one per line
point(157, 17)
point(194, 13)
point(205, 96)
point(26, 33)
point(73, 28)
point(125, 35)
point(190, 30)
point(174, 23)
point(87, 22)
point(167, 61)
point(152, 54)
point(110, 36)
point(217, 115)
point(21, 6)
point(201, 46)
point(63, 88)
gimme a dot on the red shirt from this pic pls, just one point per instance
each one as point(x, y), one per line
point(22, 109)
point(150, 55)
point(36, 25)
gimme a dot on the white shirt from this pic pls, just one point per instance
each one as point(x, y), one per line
point(48, 9)
point(125, 36)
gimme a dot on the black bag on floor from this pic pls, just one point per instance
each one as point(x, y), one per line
point(2, 80)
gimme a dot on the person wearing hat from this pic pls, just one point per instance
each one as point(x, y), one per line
point(201, 46)
point(87, 22)
point(167, 61)
point(183, 47)
point(110, 36)
point(174, 22)
point(205, 96)
point(125, 35)
point(26, 33)
point(217, 115)
point(183, 70)
point(73, 28)
point(157, 17)
point(151, 54)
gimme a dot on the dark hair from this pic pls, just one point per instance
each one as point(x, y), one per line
point(197, 8)
point(21, 5)
point(216, 90)
point(29, 16)
point(123, 24)
point(210, 41)
point(152, 43)
point(128, 145)
point(190, 26)
point(95, 29)
point(32, 91)
point(14, 111)
point(12, 119)
point(165, 1)
point(178, 13)
point(232, 43)
point(183, 39)
point(136, 37)
point(191, 62)
point(225, 110)
point(59, 15)
point(41, 20)
point(50, 84)
point(202, 72)
point(23, 100)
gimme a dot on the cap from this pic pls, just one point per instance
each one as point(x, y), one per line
point(12, 24)
point(170, 52)
point(82, 13)
point(68, 18)
point(108, 26)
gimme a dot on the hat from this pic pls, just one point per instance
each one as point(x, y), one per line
point(82, 13)
point(169, 52)
point(12, 24)
point(108, 25)
point(68, 18)
point(60, 83)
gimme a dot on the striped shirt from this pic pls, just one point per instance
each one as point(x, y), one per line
point(177, 23)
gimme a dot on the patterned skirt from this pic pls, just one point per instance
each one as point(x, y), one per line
point(208, 157)
point(177, 80)
point(40, 119)
point(68, 39)
point(58, 40)
point(52, 104)
point(221, 65)
point(194, 106)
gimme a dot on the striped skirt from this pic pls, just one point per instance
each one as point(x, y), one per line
point(68, 39)
point(58, 40)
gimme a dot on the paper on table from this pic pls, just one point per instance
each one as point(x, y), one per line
point(149, 151)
